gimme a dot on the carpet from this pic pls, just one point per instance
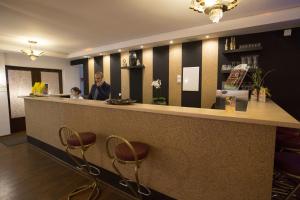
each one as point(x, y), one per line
point(14, 139)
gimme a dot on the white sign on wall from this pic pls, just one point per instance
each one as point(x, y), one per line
point(190, 78)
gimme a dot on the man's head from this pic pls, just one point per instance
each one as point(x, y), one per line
point(98, 78)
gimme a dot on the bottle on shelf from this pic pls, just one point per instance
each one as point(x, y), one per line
point(233, 43)
point(226, 44)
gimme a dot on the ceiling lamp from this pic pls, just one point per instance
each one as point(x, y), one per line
point(33, 54)
point(213, 8)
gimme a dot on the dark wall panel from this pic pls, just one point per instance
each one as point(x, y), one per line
point(136, 80)
point(84, 63)
point(192, 57)
point(279, 53)
point(161, 69)
point(115, 74)
point(98, 64)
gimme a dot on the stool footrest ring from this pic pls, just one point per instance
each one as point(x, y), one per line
point(142, 189)
point(94, 171)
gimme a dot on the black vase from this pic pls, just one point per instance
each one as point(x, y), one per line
point(132, 59)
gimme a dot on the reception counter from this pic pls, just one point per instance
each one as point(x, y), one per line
point(195, 153)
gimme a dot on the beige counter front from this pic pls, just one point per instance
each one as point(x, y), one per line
point(195, 153)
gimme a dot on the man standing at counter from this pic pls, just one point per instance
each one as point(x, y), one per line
point(100, 90)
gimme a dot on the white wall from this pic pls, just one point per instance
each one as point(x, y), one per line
point(70, 75)
point(4, 115)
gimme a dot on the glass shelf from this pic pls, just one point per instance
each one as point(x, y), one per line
point(134, 67)
point(243, 50)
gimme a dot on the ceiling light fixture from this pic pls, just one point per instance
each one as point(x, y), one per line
point(142, 46)
point(171, 42)
point(119, 50)
point(207, 36)
point(213, 8)
point(33, 54)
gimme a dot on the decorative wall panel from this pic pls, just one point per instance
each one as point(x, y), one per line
point(115, 75)
point(191, 57)
point(161, 70)
point(19, 85)
point(52, 78)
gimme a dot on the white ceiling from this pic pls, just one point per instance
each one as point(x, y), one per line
point(68, 26)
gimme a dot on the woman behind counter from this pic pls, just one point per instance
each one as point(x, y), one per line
point(75, 93)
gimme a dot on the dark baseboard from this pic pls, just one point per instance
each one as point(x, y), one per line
point(105, 176)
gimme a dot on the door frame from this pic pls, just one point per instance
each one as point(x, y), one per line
point(18, 124)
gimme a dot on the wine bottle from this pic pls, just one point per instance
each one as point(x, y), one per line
point(231, 43)
point(226, 44)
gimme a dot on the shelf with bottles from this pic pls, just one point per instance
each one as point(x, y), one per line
point(228, 70)
point(251, 61)
point(230, 48)
point(252, 49)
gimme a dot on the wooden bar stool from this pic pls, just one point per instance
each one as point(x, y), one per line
point(123, 152)
point(74, 141)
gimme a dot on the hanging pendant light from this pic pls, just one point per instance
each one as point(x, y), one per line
point(31, 53)
point(213, 8)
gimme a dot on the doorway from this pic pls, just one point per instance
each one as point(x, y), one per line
point(19, 83)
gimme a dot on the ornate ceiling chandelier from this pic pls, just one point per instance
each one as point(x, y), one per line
point(213, 8)
point(33, 54)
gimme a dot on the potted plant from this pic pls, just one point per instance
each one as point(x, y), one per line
point(158, 99)
point(258, 81)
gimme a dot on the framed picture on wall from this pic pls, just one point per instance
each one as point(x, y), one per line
point(190, 78)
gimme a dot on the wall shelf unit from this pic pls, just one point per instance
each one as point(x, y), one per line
point(249, 47)
point(134, 67)
point(244, 50)
point(251, 70)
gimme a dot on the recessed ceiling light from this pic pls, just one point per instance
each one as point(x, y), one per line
point(119, 50)
point(142, 46)
point(171, 41)
point(87, 56)
point(100, 54)
point(207, 36)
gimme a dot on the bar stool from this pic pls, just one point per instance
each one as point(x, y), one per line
point(288, 139)
point(73, 141)
point(123, 152)
point(286, 186)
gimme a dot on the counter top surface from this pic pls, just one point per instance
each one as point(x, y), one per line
point(267, 113)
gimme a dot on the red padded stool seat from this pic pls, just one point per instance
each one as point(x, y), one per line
point(123, 152)
point(86, 137)
point(288, 162)
point(288, 131)
point(285, 134)
point(291, 143)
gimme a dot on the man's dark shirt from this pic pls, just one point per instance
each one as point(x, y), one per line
point(100, 92)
